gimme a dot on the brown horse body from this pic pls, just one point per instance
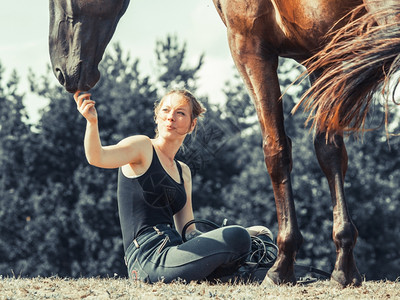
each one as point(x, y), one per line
point(259, 31)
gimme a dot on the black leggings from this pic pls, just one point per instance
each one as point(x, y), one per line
point(159, 254)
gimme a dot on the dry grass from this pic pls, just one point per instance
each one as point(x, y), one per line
point(114, 288)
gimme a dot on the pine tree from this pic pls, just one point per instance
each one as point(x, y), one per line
point(15, 212)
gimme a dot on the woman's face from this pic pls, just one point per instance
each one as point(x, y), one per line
point(174, 116)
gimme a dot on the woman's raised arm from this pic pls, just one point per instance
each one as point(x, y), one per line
point(129, 150)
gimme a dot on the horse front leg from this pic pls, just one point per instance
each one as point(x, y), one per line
point(332, 157)
point(278, 159)
point(259, 71)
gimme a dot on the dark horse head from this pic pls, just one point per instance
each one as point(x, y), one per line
point(79, 33)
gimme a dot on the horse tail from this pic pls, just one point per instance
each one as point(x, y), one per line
point(359, 61)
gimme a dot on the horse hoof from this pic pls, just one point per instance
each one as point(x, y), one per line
point(268, 282)
point(276, 279)
point(345, 281)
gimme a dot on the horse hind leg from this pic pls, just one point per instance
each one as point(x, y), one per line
point(332, 157)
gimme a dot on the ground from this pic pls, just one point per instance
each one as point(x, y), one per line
point(116, 288)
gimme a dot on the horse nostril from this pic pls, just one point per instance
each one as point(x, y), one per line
point(60, 76)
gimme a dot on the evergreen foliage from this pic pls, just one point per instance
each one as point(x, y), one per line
point(58, 214)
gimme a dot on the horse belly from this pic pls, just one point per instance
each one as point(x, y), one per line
point(308, 21)
point(292, 28)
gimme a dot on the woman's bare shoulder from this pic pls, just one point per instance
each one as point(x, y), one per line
point(186, 172)
point(136, 141)
point(139, 146)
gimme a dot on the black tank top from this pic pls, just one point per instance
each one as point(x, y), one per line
point(149, 199)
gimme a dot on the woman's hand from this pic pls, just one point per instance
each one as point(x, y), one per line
point(86, 106)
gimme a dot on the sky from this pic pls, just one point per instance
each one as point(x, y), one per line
point(24, 39)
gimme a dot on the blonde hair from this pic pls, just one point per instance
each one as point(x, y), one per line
point(197, 109)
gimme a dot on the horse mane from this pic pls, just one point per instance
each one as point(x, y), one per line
point(358, 61)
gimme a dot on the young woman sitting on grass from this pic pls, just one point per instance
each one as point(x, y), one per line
point(154, 198)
